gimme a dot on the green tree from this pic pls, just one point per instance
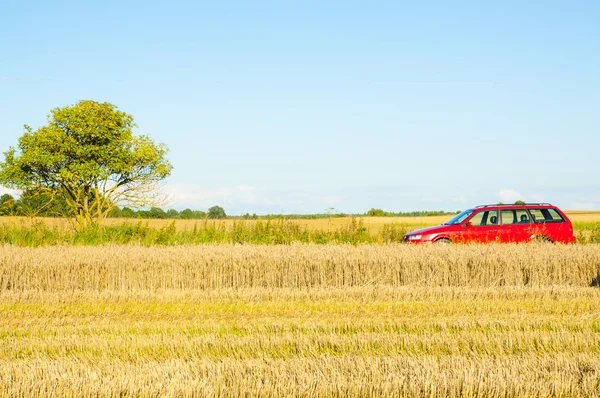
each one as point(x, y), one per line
point(172, 213)
point(216, 212)
point(43, 203)
point(376, 213)
point(186, 214)
point(519, 202)
point(7, 204)
point(126, 212)
point(6, 198)
point(115, 212)
point(199, 214)
point(157, 212)
point(88, 156)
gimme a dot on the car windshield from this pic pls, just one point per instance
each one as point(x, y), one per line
point(460, 217)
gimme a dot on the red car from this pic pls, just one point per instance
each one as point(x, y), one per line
point(500, 223)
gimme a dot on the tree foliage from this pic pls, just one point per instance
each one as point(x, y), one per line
point(7, 204)
point(88, 156)
point(216, 212)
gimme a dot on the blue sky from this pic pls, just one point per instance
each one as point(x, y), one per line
point(297, 107)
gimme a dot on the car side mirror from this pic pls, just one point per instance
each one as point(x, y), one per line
point(468, 224)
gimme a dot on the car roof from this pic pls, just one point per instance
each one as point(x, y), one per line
point(517, 206)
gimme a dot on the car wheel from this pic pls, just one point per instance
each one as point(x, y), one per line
point(542, 239)
point(443, 241)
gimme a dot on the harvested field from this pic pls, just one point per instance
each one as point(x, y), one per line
point(300, 320)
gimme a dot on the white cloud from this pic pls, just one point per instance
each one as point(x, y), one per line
point(510, 195)
point(331, 200)
point(189, 195)
point(247, 194)
point(536, 198)
point(582, 206)
point(12, 192)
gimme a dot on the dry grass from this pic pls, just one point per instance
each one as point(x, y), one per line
point(300, 320)
point(294, 266)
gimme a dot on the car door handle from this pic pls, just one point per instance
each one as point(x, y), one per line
point(493, 230)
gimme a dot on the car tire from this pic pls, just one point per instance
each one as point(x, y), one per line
point(542, 239)
point(442, 241)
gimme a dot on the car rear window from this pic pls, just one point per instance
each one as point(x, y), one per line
point(546, 215)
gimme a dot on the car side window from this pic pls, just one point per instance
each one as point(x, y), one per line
point(508, 217)
point(523, 217)
point(537, 215)
point(515, 216)
point(484, 218)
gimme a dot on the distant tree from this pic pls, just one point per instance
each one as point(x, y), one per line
point(199, 214)
point(88, 156)
point(42, 203)
point(143, 214)
point(216, 212)
point(376, 213)
point(519, 202)
point(115, 212)
point(186, 214)
point(189, 214)
point(126, 212)
point(157, 212)
point(172, 213)
point(7, 204)
point(6, 198)
point(247, 216)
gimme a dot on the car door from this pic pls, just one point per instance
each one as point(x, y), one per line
point(515, 226)
point(482, 227)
